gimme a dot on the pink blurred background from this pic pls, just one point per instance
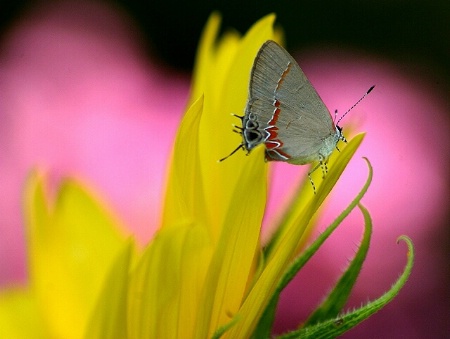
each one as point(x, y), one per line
point(78, 96)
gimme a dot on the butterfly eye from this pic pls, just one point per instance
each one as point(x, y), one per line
point(251, 124)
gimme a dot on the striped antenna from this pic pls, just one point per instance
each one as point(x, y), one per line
point(370, 90)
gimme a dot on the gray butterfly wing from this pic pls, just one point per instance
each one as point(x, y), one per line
point(298, 127)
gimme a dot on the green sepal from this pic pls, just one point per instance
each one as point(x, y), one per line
point(338, 325)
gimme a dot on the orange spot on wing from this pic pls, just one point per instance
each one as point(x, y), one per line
point(276, 114)
point(283, 76)
point(273, 133)
point(272, 143)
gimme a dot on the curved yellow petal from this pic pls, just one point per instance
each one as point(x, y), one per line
point(204, 62)
point(184, 201)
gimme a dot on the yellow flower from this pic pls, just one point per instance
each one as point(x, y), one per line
point(209, 243)
point(204, 273)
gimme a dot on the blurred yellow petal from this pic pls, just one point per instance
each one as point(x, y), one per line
point(184, 201)
point(20, 316)
point(71, 246)
point(109, 317)
point(204, 62)
point(165, 287)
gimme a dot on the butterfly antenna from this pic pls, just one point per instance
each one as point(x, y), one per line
point(343, 115)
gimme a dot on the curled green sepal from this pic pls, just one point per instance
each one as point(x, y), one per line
point(337, 298)
point(337, 326)
point(264, 326)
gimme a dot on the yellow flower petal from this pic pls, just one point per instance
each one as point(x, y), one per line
point(165, 287)
point(184, 201)
point(71, 246)
point(19, 315)
point(233, 262)
point(204, 62)
point(109, 317)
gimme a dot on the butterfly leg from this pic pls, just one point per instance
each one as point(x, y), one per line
point(310, 178)
point(323, 166)
point(238, 130)
point(241, 146)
